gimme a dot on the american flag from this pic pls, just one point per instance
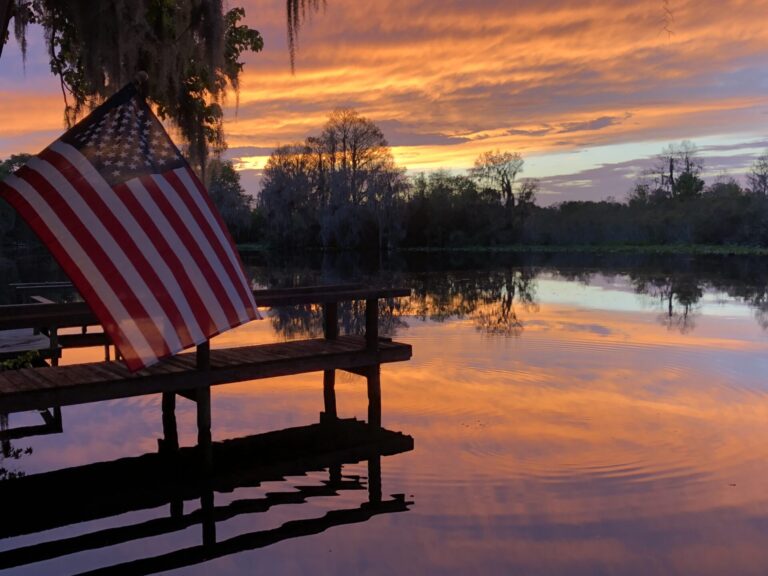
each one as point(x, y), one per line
point(134, 228)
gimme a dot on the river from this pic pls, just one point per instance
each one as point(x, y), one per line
point(572, 414)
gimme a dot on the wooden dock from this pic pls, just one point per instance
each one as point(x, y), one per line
point(40, 388)
point(174, 475)
point(192, 375)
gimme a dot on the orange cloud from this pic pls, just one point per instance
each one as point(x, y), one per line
point(493, 75)
point(456, 79)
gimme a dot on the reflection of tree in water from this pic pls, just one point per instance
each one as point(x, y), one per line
point(491, 299)
point(306, 321)
point(678, 296)
point(756, 297)
point(488, 298)
point(495, 289)
point(499, 315)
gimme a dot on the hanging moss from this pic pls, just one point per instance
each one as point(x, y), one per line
point(298, 11)
point(190, 50)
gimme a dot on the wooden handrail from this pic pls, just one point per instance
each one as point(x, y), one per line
point(288, 298)
point(43, 315)
point(307, 289)
point(65, 315)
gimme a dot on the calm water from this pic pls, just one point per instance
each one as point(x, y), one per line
point(570, 416)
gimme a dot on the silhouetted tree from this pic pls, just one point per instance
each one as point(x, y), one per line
point(229, 196)
point(8, 214)
point(758, 176)
point(291, 214)
point(499, 170)
point(678, 169)
point(342, 188)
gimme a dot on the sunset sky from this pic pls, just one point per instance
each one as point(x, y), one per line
point(588, 92)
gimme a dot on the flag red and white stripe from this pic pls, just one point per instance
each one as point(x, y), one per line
point(135, 230)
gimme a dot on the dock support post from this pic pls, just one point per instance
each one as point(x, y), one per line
point(374, 397)
point(334, 475)
point(329, 396)
point(204, 355)
point(374, 480)
point(205, 444)
point(204, 406)
point(372, 323)
point(331, 320)
point(331, 332)
point(204, 425)
point(5, 445)
point(53, 335)
point(170, 440)
point(207, 507)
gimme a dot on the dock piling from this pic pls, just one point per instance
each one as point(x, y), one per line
point(170, 440)
point(373, 378)
point(329, 396)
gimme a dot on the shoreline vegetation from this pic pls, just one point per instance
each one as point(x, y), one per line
point(673, 249)
point(341, 191)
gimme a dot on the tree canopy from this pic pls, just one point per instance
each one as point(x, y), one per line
point(758, 175)
point(339, 188)
point(190, 49)
point(8, 214)
point(499, 170)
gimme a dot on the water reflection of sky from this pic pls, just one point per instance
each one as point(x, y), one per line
point(619, 294)
point(594, 441)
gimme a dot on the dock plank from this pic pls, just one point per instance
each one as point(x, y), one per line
point(22, 340)
point(30, 389)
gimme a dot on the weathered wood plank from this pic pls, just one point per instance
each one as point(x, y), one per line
point(228, 357)
point(22, 340)
point(41, 315)
point(181, 362)
point(41, 299)
point(83, 340)
point(40, 285)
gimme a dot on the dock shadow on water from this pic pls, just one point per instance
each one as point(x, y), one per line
point(573, 414)
point(106, 492)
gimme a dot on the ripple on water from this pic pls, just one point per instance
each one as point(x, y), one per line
point(691, 449)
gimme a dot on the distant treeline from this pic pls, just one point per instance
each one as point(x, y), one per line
point(342, 189)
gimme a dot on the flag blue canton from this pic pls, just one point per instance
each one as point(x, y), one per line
point(125, 140)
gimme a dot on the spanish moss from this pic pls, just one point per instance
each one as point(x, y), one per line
point(190, 50)
point(297, 12)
